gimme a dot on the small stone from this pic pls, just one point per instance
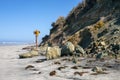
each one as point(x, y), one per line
point(86, 67)
point(29, 67)
point(52, 73)
point(57, 62)
point(39, 72)
point(65, 59)
point(60, 68)
point(74, 67)
point(97, 69)
point(38, 61)
point(79, 73)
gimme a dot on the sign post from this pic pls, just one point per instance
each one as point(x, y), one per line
point(36, 32)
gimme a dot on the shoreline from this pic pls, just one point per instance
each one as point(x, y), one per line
point(15, 43)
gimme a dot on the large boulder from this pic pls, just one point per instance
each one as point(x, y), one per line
point(67, 49)
point(42, 50)
point(53, 52)
point(29, 54)
point(34, 53)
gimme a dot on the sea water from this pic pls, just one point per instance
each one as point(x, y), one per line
point(10, 43)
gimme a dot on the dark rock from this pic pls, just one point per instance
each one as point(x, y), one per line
point(74, 67)
point(40, 60)
point(52, 73)
point(27, 48)
point(57, 62)
point(86, 67)
point(108, 66)
point(98, 56)
point(39, 72)
point(29, 67)
point(79, 73)
point(65, 59)
point(67, 49)
point(60, 68)
point(33, 69)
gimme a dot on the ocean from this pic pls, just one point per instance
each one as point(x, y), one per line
point(10, 43)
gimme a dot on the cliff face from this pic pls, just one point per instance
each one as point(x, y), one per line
point(89, 21)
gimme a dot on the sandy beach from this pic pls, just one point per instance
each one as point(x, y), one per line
point(13, 68)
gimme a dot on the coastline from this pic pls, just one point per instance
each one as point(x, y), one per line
point(14, 43)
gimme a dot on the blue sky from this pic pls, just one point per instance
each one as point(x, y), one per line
point(19, 18)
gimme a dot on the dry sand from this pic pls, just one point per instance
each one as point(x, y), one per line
point(13, 68)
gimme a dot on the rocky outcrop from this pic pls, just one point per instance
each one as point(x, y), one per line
point(92, 21)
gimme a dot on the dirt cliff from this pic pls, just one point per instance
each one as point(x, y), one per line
point(90, 21)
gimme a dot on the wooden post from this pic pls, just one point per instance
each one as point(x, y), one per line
point(36, 41)
point(36, 32)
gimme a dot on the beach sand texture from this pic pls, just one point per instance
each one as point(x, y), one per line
point(13, 68)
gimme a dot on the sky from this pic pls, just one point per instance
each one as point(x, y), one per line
point(19, 18)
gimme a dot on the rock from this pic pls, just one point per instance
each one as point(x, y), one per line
point(25, 55)
point(39, 72)
point(52, 73)
point(42, 50)
point(108, 65)
point(74, 59)
point(65, 59)
point(67, 49)
point(86, 67)
point(75, 73)
point(79, 73)
point(98, 73)
point(34, 53)
point(53, 52)
point(27, 48)
point(79, 50)
point(98, 56)
point(102, 43)
point(29, 54)
point(97, 69)
point(60, 68)
point(57, 62)
point(40, 60)
point(74, 67)
point(29, 67)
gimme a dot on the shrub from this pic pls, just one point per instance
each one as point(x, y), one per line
point(99, 24)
